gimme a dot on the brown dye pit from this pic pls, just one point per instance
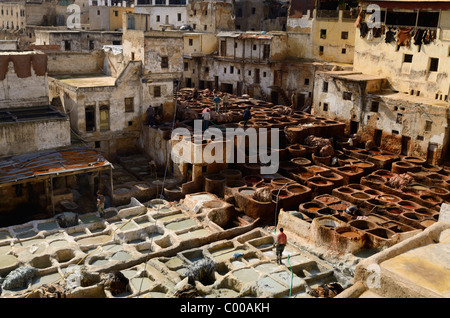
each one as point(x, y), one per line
point(360, 195)
point(339, 206)
point(395, 211)
point(345, 190)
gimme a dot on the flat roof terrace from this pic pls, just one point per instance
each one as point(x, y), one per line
point(87, 80)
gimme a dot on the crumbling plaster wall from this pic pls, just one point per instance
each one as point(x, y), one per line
point(13, 94)
point(32, 136)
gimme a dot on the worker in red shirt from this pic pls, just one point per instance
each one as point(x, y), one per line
point(280, 244)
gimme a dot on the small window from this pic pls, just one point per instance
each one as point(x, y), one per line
point(347, 96)
point(434, 63)
point(264, 74)
point(116, 13)
point(186, 66)
point(206, 69)
point(325, 107)
point(164, 62)
point(323, 33)
point(321, 50)
point(253, 10)
point(129, 104)
point(420, 138)
point(205, 27)
point(344, 51)
point(395, 132)
point(325, 87)
point(224, 70)
point(399, 118)
point(306, 81)
point(179, 16)
point(158, 18)
point(374, 107)
point(231, 69)
point(407, 58)
point(249, 73)
point(98, 12)
point(428, 125)
point(254, 47)
point(191, 42)
point(156, 91)
point(344, 35)
point(97, 144)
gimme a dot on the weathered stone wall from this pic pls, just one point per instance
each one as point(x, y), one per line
point(32, 136)
point(75, 63)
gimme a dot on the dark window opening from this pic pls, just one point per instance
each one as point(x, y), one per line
point(164, 62)
point(157, 91)
point(325, 107)
point(428, 125)
point(434, 63)
point(374, 107)
point(323, 33)
point(325, 87)
point(306, 81)
point(344, 35)
point(401, 18)
point(89, 114)
point(399, 119)
point(407, 58)
point(347, 96)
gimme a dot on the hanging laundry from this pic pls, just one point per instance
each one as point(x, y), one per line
point(363, 29)
point(418, 36)
point(426, 37)
point(390, 36)
point(377, 32)
point(404, 37)
point(359, 18)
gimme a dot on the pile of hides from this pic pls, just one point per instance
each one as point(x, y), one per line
point(202, 271)
point(283, 110)
point(51, 291)
point(116, 282)
point(19, 278)
point(262, 194)
point(324, 147)
point(328, 290)
point(400, 181)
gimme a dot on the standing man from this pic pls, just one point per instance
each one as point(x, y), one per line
point(100, 203)
point(150, 116)
point(247, 115)
point(206, 115)
point(280, 244)
point(225, 103)
point(216, 100)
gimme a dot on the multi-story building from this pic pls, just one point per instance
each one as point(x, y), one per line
point(397, 94)
point(107, 16)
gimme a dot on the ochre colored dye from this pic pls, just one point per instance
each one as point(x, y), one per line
point(350, 234)
point(407, 206)
point(387, 198)
point(314, 208)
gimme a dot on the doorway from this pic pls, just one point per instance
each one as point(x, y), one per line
point(405, 145)
point(377, 137)
point(354, 125)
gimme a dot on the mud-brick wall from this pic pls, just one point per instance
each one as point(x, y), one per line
point(75, 63)
point(25, 137)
